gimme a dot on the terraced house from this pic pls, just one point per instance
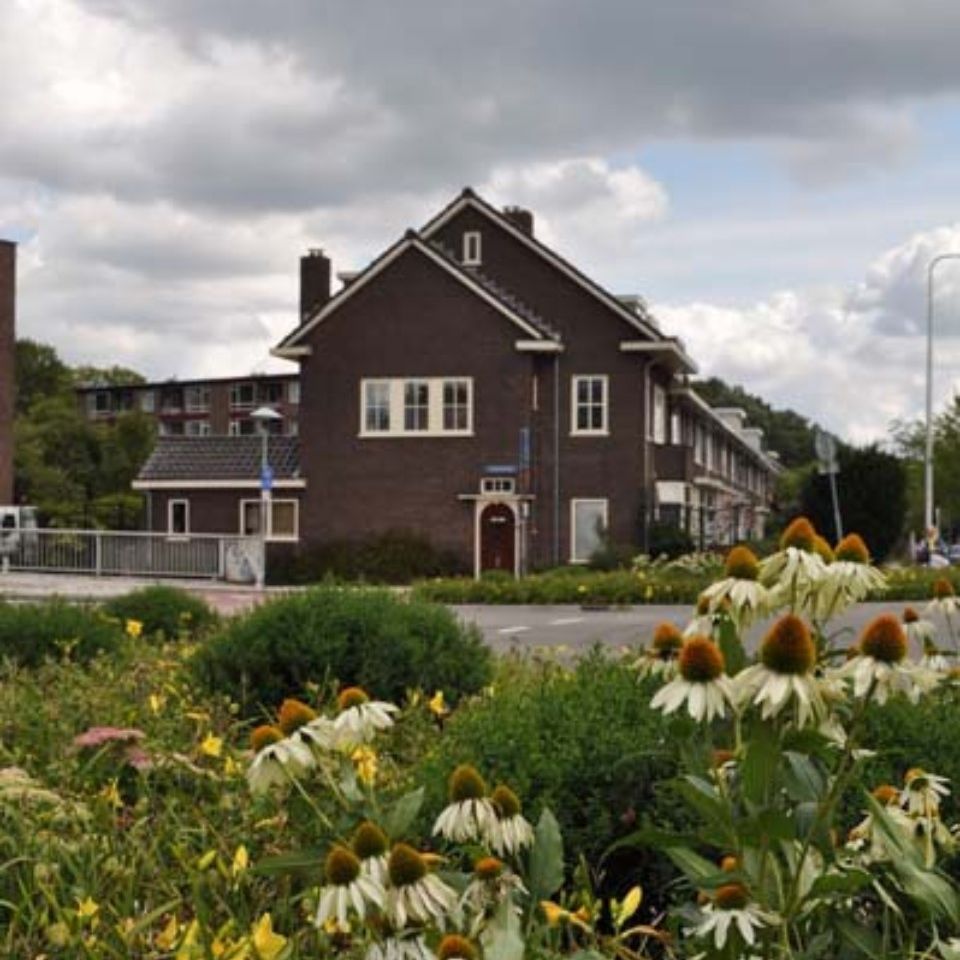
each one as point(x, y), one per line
point(474, 386)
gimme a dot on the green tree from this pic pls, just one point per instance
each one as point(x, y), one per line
point(40, 373)
point(109, 376)
point(872, 490)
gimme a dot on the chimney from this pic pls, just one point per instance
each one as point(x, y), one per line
point(520, 218)
point(8, 283)
point(314, 283)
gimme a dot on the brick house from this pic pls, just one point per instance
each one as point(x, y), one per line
point(475, 387)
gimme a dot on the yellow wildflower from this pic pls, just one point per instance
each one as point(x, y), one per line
point(231, 768)
point(111, 794)
point(212, 746)
point(87, 908)
point(437, 706)
point(365, 762)
point(186, 949)
point(241, 860)
point(167, 937)
point(553, 912)
point(269, 945)
point(156, 701)
point(134, 628)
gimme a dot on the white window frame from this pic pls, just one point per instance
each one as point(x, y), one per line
point(274, 501)
point(498, 485)
point(660, 414)
point(472, 249)
point(676, 428)
point(396, 389)
point(235, 402)
point(202, 428)
point(417, 383)
point(186, 526)
point(148, 401)
point(574, 502)
point(196, 399)
point(456, 381)
point(293, 392)
point(603, 430)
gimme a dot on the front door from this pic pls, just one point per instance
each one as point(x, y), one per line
point(497, 538)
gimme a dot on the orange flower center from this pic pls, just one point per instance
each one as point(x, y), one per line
point(700, 660)
point(788, 647)
point(884, 639)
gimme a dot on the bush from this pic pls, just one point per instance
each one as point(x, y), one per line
point(583, 742)
point(365, 637)
point(165, 612)
point(394, 557)
point(668, 540)
point(29, 633)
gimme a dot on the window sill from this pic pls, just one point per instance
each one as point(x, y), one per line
point(414, 435)
point(589, 433)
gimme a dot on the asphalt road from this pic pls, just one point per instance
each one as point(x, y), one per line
point(569, 630)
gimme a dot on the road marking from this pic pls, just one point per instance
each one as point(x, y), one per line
point(508, 630)
point(563, 621)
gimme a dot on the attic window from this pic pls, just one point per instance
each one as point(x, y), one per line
point(471, 249)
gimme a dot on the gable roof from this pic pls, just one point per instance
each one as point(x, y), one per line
point(511, 308)
point(221, 459)
point(468, 198)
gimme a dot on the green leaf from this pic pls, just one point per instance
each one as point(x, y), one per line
point(502, 938)
point(760, 762)
point(403, 813)
point(546, 858)
point(803, 781)
point(287, 862)
point(704, 799)
point(695, 868)
point(731, 647)
point(864, 940)
point(842, 884)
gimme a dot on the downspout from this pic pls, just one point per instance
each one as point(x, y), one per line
point(645, 498)
point(556, 459)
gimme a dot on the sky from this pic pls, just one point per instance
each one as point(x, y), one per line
point(773, 177)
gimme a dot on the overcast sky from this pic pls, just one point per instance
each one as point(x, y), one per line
point(773, 177)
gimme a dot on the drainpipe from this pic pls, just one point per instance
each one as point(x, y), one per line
point(556, 459)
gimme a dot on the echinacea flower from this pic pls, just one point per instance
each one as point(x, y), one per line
point(415, 894)
point(880, 664)
point(370, 844)
point(470, 814)
point(700, 683)
point(945, 600)
point(847, 580)
point(277, 760)
point(796, 568)
point(508, 832)
point(660, 658)
point(784, 676)
point(922, 792)
point(731, 907)
point(703, 620)
point(871, 843)
point(347, 888)
point(918, 630)
point(293, 715)
point(397, 947)
point(933, 658)
point(361, 718)
point(748, 599)
point(455, 947)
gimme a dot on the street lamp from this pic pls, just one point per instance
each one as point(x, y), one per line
point(928, 458)
point(263, 417)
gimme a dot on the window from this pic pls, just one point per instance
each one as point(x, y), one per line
point(242, 428)
point(101, 403)
point(197, 399)
point(197, 428)
point(376, 406)
point(416, 405)
point(241, 395)
point(659, 414)
point(293, 391)
point(425, 406)
point(178, 518)
point(171, 428)
point(471, 249)
point(456, 405)
point(171, 400)
point(497, 485)
point(147, 401)
point(589, 396)
point(284, 519)
point(270, 393)
point(588, 525)
point(699, 444)
point(676, 428)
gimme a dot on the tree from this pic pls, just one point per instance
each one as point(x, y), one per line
point(108, 376)
point(40, 373)
point(872, 490)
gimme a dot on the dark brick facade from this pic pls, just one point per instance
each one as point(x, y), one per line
point(8, 281)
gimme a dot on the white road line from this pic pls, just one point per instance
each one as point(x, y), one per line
point(563, 621)
point(508, 630)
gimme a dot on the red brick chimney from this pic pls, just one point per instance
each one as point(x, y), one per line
point(8, 284)
point(520, 218)
point(314, 283)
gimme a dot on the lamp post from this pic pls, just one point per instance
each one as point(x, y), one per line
point(928, 457)
point(263, 417)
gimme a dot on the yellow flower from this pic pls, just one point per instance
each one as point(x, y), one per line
point(629, 906)
point(156, 701)
point(211, 746)
point(241, 860)
point(269, 945)
point(201, 716)
point(231, 768)
point(437, 706)
point(553, 912)
point(186, 949)
point(134, 628)
point(167, 937)
point(207, 860)
point(111, 794)
point(365, 762)
point(87, 908)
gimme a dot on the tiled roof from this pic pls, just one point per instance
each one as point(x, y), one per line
point(220, 458)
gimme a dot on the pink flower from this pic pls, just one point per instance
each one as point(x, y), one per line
point(98, 736)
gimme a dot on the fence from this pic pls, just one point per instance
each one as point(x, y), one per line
point(101, 552)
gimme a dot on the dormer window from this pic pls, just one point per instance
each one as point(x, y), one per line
point(471, 249)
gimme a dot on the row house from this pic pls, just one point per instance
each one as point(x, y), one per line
point(199, 408)
point(473, 386)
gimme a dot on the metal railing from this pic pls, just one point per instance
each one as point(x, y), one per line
point(120, 553)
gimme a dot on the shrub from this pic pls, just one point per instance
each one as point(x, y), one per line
point(165, 612)
point(365, 637)
point(29, 633)
point(666, 539)
point(394, 557)
point(583, 742)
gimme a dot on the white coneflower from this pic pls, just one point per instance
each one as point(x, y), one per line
point(360, 718)
point(493, 883)
point(370, 844)
point(922, 792)
point(347, 888)
point(784, 676)
point(319, 733)
point(701, 683)
point(880, 663)
point(508, 832)
point(919, 632)
point(703, 620)
point(660, 659)
point(414, 893)
point(277, 759)
point(796, 568)
point(870, 843)
point(933, 658)
point(945, 600)
point(470, 814)
point(739, 592)
point(411, 947)
point(455, 947)
point(848, 580)
point(731, 908)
